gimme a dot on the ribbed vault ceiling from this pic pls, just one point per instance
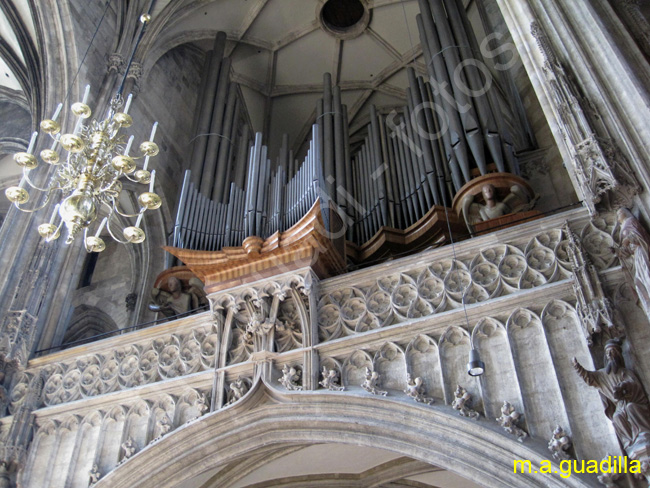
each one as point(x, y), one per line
point(280, 50)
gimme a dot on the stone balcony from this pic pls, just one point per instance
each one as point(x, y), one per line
point(402, 317)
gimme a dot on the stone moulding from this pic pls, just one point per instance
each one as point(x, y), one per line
point(304, 244)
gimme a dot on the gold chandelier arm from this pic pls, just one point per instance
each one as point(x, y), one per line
point(117, 211)
point(134, 180)
point(26, 174)
point(32, 210)
point(108, 228)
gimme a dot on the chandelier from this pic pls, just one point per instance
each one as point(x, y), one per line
point(88, 176)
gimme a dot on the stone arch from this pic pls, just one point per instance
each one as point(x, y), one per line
point(267, 419)
point(86, 322)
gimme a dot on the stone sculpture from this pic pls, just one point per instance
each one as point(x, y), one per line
point(516, 201)
point(237, 390)
point(176, 299)
point(330, 380)
point(609, 479)
point(371, 382)
point(290, 378)
point(163, 426)
point(461, 400)
point(560, 444)
point(201, 405)
point(128, 447)
point(625, 401)
point(509, 419)
point(94, 475)
point(415, 389)
point(635, 243)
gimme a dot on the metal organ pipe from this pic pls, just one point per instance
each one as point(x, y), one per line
point(205, 105)
point(438, 73)
point(222, 170)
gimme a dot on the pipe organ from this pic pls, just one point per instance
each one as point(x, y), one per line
point(394, 188)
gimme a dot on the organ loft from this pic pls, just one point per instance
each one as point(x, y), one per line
point(355, 243)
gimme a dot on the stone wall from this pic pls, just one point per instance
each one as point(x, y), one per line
point(400, 318)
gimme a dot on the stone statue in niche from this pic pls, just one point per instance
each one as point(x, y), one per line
point(290, 378)
point(491, 208)
point(560, 444)
point(415, 390)
point(176, 298)
point(163, 425)
point(94, 475)
point(201, 406)
point(238, 389)
point(371, 383)
point(625, 401)
point(330, 380)
point(509, 420)
point(129, 448)
point(461, 400)
point(635, 244)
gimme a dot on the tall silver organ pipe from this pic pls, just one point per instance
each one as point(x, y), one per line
point(391, 172)
point(270, 202)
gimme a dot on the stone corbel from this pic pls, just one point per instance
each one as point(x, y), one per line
point(135, 74)
point(115, 63)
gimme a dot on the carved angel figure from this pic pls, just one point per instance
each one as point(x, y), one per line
point(559, 444)
point(635, 243)
point(176, 299)
point(290, 378)
point(371, 382)
point(461, 400)
point(625, 402)
point(516, 201)
point(330, 380)
point(94, 475)
point(509, 419)
point(415, 390)
point(237, 390)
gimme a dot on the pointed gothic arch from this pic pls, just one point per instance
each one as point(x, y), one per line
point(266, 419)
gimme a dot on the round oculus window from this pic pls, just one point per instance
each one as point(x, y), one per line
point(344, 18)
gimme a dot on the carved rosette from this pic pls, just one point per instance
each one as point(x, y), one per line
point(444, 285)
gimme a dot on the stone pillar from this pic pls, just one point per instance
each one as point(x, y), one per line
point(612, 130)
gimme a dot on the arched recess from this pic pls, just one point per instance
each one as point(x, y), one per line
point(267, 419)
point(87, 322)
